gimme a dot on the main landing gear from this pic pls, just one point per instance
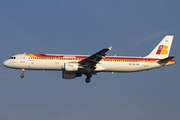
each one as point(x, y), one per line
point(89, 75)
point(22, 75)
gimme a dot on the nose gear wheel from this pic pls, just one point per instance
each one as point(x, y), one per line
point(22, 75)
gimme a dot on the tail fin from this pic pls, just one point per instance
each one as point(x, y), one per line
point(162, 49)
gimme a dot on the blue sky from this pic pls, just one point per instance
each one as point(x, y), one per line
point(133, 28)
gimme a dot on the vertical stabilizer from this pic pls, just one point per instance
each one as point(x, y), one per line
point(162, 49)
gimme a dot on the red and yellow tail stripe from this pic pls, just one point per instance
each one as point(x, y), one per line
point(162, 50)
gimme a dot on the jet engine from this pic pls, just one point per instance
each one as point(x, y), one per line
point(70, 66)
point(70, 75)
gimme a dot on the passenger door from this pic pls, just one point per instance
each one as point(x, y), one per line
point(22, 59)
point(145, 62)
point(57, 59)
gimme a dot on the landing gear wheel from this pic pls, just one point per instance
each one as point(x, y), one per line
point(88, 80)
point(22, 76)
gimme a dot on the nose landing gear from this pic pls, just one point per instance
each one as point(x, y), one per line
point(89, 75)
point(22, 75)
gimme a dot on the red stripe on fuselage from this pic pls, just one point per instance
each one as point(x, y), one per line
point(106, 58)
point(83, 57)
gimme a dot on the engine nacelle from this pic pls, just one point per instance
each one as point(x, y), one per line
point(71, 66)
point(70, 75)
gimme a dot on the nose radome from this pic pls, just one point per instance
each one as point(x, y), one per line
point(5, 63)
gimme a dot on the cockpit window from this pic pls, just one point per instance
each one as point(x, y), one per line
point(12, 58)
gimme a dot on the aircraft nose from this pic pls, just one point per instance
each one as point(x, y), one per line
point(5, 63)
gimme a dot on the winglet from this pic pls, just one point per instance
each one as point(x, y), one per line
point(110, 48)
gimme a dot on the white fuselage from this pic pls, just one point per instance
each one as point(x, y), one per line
point(113, 64)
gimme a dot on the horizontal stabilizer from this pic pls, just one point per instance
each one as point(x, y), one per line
point(166, 60)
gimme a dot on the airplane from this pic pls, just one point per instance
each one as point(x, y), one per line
point(73, 66)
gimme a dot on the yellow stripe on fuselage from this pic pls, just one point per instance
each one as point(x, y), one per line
point(31, 55)
point(108, 60)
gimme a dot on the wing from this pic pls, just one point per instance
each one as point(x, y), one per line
point(92, 60)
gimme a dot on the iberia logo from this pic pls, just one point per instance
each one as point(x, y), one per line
point(162, 50)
